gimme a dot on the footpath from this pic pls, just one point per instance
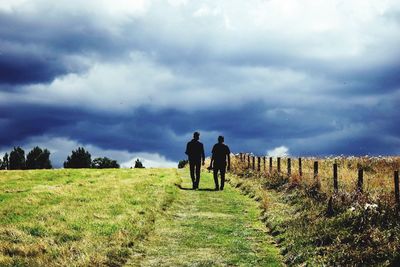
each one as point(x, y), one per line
point(208, 228)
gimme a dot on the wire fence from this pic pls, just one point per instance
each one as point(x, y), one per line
point(373, 175)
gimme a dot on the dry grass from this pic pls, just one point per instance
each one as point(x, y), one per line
point(378, 173)
point(315, 225)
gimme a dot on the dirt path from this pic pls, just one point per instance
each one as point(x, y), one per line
point(209, 228)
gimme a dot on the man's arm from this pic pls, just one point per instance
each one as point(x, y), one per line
point(212, 158)
point(187, 149)
point(229, 158)
point(203, 156)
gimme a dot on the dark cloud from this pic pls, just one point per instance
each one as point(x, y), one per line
point(143, 82)
point(28, 68)
point(305, 132)
point(36, 49)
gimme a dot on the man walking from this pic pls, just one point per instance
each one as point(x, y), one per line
point(195, 152)
point(220, 156)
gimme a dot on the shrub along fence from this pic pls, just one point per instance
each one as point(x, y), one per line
point(375, 175)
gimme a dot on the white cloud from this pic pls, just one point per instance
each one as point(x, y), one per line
point(110, 16)
point(177, 3)
point(94, 7)
point(120, 87)
point(149, 160)
point(9, 6)
point(281, 151)
point(205, 11)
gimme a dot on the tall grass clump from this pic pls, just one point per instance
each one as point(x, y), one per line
point(314, 224)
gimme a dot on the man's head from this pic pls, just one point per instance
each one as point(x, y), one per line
point(196, 135)
point(220, 139)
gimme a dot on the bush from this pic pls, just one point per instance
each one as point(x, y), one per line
point(38, 159)
point(17, 159)
point(104, 163)
point(79, 159)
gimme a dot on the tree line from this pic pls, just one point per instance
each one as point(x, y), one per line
point(39, 158)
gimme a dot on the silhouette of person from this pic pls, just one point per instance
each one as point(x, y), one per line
point(219, 158)
point(195, 152)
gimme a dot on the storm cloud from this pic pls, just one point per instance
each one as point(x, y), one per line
point(138, 77)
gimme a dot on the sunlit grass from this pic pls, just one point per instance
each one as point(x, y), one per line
point(79, 217)
point(209, 228)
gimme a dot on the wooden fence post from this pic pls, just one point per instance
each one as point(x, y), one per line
point(315, 170)
point(264, 163)
point(248, 161)
point(396, 186)
point(241, 157)
point(258, 163)
point(254, 162)
point(360, 181)
point(335, 178)
point(289, 167)
point(279, 164)
point(270, 164)
point(300, 168)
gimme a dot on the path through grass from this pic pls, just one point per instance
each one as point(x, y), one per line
point(127, 217)
point(208, 228)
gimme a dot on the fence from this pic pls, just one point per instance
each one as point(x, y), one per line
point(372, 174)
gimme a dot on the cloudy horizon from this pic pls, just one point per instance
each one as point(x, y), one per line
point(129, 79)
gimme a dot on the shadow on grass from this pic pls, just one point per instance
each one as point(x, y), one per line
point(183, 188)
point(206, 189)
point(189, 188)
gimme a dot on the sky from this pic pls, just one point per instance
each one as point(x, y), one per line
point(128, 79)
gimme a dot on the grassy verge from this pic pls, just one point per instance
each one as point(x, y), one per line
point(345, 230)
point(79, 217)
point(209, 228)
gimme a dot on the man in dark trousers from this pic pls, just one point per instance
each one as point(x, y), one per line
point(220, 156)
point(195, 152)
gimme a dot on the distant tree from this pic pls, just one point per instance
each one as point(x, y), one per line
point(182, 163)
point(138, 164)
point(6, 163)
point(38, 159)
point(17, 159)
point(104, 163)
point(79, 158)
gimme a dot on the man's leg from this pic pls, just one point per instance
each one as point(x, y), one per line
point(191, 167)
point(197, 169)
point(222, 171)
point(216, 178)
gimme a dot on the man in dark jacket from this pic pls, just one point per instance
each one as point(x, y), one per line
point(195, 152)
point(220, 156)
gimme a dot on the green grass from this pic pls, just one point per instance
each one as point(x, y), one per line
point(135, 217)
point(207, 228)
point(79, 217)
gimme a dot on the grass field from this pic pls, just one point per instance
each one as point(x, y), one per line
point(139, 217)
point(79, 217)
